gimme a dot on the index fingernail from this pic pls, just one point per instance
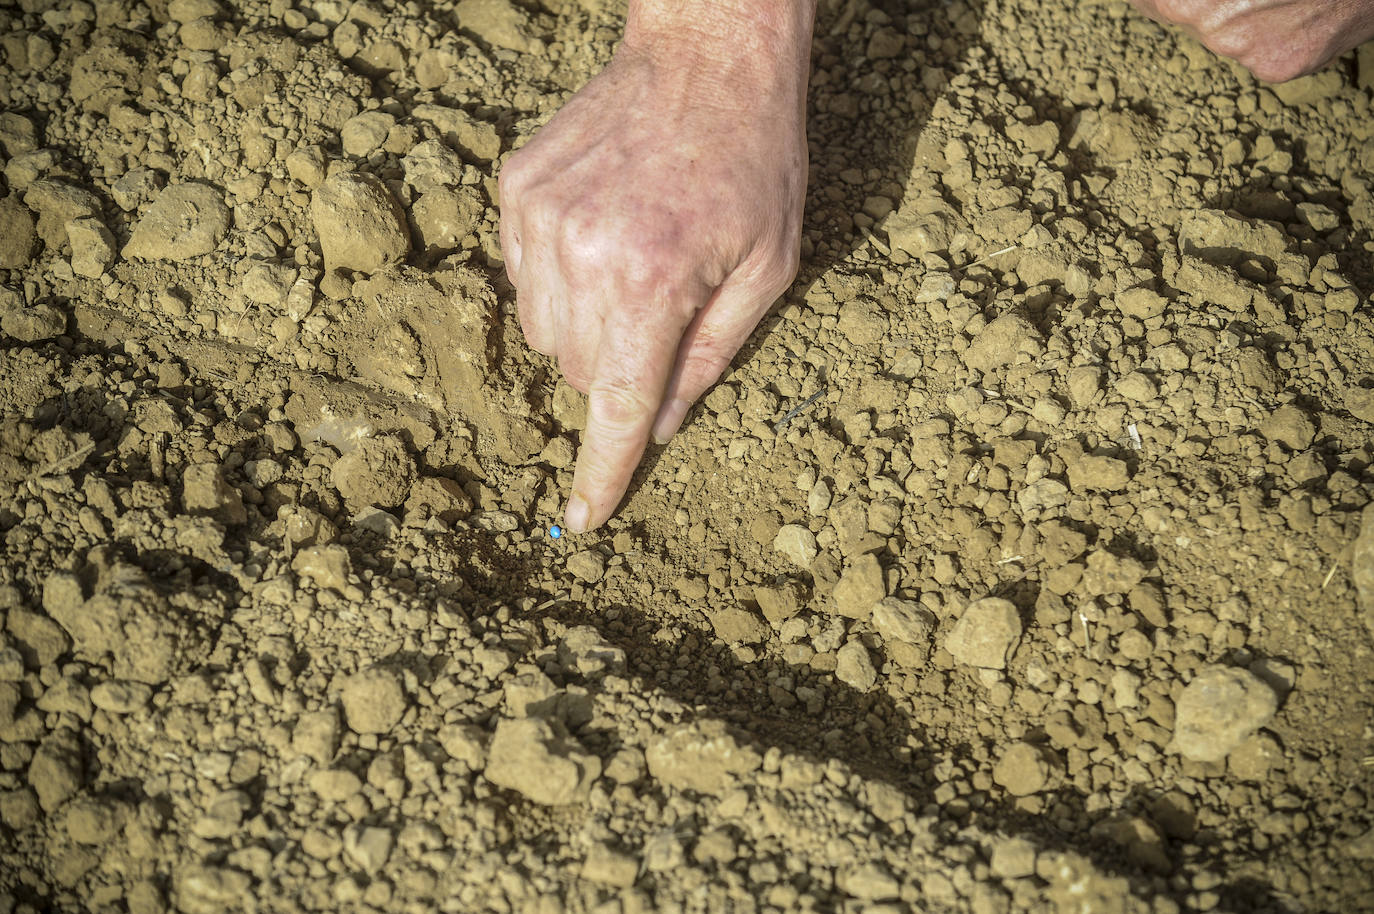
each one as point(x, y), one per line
point(577, 515)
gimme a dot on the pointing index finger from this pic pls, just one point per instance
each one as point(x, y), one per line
point(633, 364)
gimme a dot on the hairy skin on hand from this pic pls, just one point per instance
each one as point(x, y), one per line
point(650, 225)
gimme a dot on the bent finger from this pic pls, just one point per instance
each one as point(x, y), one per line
point(708, 346)
point(509, 234)
point(535, 310)
point(536, 297)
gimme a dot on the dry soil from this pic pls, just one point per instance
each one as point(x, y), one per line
point(1017, 565)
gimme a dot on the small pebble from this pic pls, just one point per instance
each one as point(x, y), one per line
point(373, 700)
point(587, 565)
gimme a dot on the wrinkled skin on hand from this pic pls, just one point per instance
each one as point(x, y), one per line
point(1277, 40)
point(647, 228)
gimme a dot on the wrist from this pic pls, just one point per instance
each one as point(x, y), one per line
point(758, 45)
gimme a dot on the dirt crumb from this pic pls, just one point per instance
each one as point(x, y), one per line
point(18, 234)
point(377, 471)
point(700, 756)
point(1022, 770)
point(57, 771)
point(530, 756)
point(1218, 711)
point(985, 634)
point(373, 700)
point(184, 222)
point(360, 225)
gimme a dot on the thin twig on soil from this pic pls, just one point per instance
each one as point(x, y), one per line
point(1087, 635)
point(66, 464)
point(1005, 587)
point(982, 260)
point(778, 426)
point(842, 22)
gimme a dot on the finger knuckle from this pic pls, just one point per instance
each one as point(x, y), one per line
point(1268, 58)
point(643, 253)
point(510, 183)
point(1235, 45)
point(576, 378)
point(1282, 73)
point(707, 361)
point(618, 403)
point(539, 215)
point(1178, 12)
point(711, 347)
point(771, 275)
point(572, 364)
point(536, 333)
point(584, 241)
point(1278, 68)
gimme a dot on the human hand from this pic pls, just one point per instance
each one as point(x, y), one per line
point(1277, 40)
point(654, 220)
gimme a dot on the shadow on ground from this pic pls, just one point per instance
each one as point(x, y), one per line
point(882, 739)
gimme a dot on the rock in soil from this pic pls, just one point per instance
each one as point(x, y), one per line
point(1362, 566)
point(373, 700)
point(360, 225)
point(184, 222)
point(57, 770)
point(860, 587)
point(18, 234)
point(93, 247)
point(1022, 770)
point(985, 634)
point(797, 544)
point(377, 471)
point(703, 757)
point(854, 666)
point(531, 758)
point(1218, 711)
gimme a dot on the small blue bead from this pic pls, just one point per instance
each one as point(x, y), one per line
point(555, 531)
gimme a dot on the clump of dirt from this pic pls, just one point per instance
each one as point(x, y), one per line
point(1023, 561)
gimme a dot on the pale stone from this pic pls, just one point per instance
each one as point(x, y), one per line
point(860, 587)
point(986, 634)
point(186, 221)
point(854, 667)
point(700, 756)
point(797, 544)
point(373, 700)
point(1219, 710)
point(1022, 770)
point(530, 757)
point(360, 225)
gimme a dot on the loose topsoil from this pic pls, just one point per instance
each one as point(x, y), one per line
point(1054, 597)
